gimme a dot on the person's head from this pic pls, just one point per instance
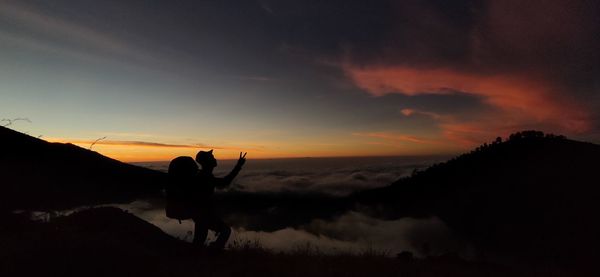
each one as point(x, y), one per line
point(206, 159)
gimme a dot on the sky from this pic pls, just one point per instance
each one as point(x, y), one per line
point(152, 80)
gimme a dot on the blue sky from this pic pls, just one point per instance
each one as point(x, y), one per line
point(157, 79)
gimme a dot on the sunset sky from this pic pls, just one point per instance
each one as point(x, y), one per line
point(152, 80)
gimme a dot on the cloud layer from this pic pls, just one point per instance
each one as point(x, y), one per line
point(352, 232)
point(334, 176)
point(330, 176)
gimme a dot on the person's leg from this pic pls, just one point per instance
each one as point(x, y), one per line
point(223, 232)
point(200, 232)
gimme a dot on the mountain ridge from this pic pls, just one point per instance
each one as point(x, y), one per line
point(533, 192)
point(37, 174)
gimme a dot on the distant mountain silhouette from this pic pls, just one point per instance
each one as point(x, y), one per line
point(36, 174)
point(533, 195)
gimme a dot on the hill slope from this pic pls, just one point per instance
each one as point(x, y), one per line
point(36, 174)
point(111, 242)
point(534, 195)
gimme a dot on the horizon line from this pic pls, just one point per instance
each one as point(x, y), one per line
point(316, 157)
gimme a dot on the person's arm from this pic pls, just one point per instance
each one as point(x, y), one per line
point(226, 181)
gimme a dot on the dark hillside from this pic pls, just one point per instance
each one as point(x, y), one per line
point(111, 242)
point(533, 195)
point(35, 174)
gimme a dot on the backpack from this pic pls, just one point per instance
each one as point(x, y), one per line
point(182, 173)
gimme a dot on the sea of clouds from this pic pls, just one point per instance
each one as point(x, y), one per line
point(335, 176)
point(349, 232)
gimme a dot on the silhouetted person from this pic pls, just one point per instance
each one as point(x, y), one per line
point(207, 217)
point(189, 195)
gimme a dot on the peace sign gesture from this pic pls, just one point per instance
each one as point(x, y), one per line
point(242, 159)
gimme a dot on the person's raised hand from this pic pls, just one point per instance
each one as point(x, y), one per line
point(242, 159)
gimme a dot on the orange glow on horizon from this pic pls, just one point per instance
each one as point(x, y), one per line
point(142, 151)
point(360, 145)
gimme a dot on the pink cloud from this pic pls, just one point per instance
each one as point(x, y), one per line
point(412, 112)
point(407, 112)
point(528, 99)
point(529, 62)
